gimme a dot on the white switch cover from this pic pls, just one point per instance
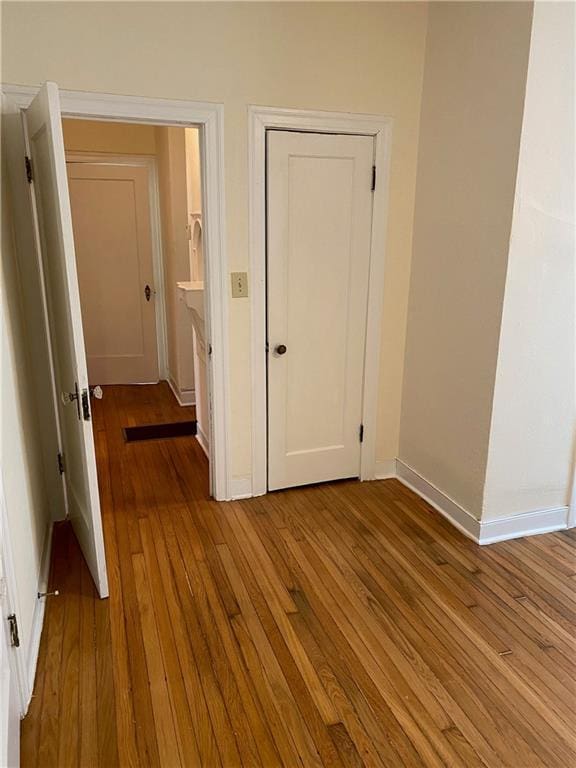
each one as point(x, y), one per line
point(239, 284)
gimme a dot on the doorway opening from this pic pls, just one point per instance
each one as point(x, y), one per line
point(121, 270)
point(136, 205)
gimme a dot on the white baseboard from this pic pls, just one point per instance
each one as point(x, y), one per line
point(385, 469)
point(523, 524)
point(184, 396)
point(203, 440)
point(241, 487)
point(38, 616)
point(528, 523)
point(448, 508)
point(515, 526)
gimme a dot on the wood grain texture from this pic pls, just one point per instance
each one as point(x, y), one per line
point(344, 624)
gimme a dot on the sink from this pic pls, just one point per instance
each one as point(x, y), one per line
point(192, 293)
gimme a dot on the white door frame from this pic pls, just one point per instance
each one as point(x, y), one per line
point(11, 603)
point(209, 117)
point(262, 119)
point(148, 162)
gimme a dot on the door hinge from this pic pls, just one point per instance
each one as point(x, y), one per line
point(29, 175)
point(14, 636)
point(361, 433)
point(61, 467)
point(373, 178)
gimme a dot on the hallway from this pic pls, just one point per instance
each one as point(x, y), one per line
point(336, 625)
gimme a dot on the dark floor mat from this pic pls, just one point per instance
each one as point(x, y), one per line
point(159, 431)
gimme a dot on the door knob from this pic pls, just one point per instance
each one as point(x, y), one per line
point(280, 349)
point(96, 392)
point(71, 397)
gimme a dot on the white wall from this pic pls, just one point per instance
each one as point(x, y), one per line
point(534, 420)
point(475, 74)
point(351, 57)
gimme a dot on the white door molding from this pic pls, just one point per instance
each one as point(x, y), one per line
point(10, 603)
point(149, 162)
point(209, 117)
point(571, 517)
point(262, 119)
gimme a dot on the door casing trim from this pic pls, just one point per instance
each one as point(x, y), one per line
point(148, 162)
point(10, 603)
point(209, 117)
point(262, 119)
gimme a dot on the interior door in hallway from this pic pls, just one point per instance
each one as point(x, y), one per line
point(319, 218)
point(49, 185)
point(112, 234)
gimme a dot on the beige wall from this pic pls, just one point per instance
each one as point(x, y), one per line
point(475, 72)
point(193, 174)
point(114, 138)
point(27, 502)
point(175, 246)
point(194, 196)
point(356, 57)
point(533, 422)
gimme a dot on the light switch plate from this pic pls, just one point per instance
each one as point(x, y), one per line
point(239, 284)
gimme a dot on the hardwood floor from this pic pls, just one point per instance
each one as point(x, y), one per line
point(338, 625)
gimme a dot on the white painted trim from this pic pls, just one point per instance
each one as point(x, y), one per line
point(26, 658)
point(185, 396)
point(39, 609)
point(209, 117)
point(203, 440)
point(448, 508)
point(260, 120)
point(523, 524)
point(385, 469)
point(483, 532)
point(158, 267)
point(571, 516)
point(242, 487)
point(11, 604)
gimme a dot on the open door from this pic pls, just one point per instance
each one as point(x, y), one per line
point(45, 149)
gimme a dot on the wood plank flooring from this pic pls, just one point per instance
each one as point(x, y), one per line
point(338, 625)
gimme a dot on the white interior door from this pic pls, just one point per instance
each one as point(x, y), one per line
point(113, 241)
point(56, 245)
point(319, 219)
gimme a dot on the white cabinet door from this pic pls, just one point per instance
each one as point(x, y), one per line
point(56, 244)
point(319, 218)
